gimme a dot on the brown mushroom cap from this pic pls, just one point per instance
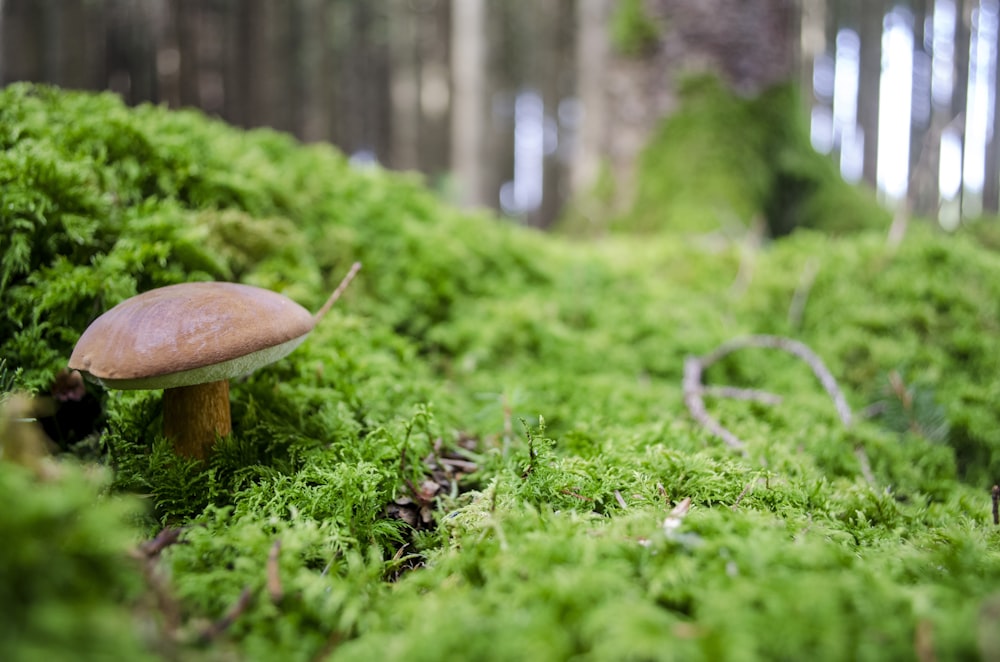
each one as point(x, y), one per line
point(188, 334)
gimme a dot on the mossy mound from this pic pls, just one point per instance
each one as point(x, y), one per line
point(723, 162)
point(483, 451)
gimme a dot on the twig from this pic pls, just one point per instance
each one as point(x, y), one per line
point(742, 394)
point(169, 608)
point(798, 305)
point(923, 641)
point(455, 463)
point(621, 500)
point(274, 573)
point(569, 492)
point(165, 538)
point(337, 292)
point(693, 368)
point(694, 389)
point(230, 617)
point(331, 644)
point(736, 504)
point(866, 466)
point(996, 504)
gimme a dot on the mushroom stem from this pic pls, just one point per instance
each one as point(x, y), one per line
point(337, 292)
point(193, 416)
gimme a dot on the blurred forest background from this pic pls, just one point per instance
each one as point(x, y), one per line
point(519, 105)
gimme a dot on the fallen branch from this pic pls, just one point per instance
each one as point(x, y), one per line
point(274, 573)
point(230, 617)
point(165, 538)
point(695, 390)
point(801, 295)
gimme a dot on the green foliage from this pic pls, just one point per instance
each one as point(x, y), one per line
point(563, 541)
point(64, 573)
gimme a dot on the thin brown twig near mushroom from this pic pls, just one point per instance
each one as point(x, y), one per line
point(190, 340)
point(695, 390)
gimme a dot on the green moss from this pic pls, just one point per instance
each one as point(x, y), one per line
point(820, 541)
point(65, 577)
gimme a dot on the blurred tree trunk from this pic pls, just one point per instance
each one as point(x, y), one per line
point(235, 76)
point(404, 84)
point(314, 80)
point(991, 186)
point(869, 81)
point(812, 44)
point(470, 101)
point(187, 18)
point(592, 53)
point(920, 105)
point(960, 91)
point(132, 49)
point(553, 76)
point(923, 195)
point(434, 137)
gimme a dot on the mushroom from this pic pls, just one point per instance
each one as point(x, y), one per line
point(189, 340)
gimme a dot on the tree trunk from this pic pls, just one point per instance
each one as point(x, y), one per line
point(991, 185)
point(592, 53)
point(187, 17)
point(869, 81)
point(960, 91)
point(404, 85)
point(470, 101)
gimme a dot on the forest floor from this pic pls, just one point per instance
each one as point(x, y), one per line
point(500, 444)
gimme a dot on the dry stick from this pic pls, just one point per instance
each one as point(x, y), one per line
point(169, 608)
point(736, 504)
point(221, 625)
point(621, 500)
point(799, 350)
point(866, 466)
point(274, 573)
point(735, 393)
point(165, 538)
point(798, 305)
point(693, 368)
point(337, 292)
point(694, 388)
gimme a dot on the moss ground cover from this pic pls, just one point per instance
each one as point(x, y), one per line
point(479, 453)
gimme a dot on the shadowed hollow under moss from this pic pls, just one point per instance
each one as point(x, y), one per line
point(461, 326)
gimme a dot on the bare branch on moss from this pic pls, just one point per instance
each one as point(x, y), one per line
point(695, 390)
point(735, 393)
point(230, 617)
point(801, 295)
point(165, 538)
point(621, 500)
point(338, 291)
point(274, 573)
point(866, 466)
point(746, 490)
